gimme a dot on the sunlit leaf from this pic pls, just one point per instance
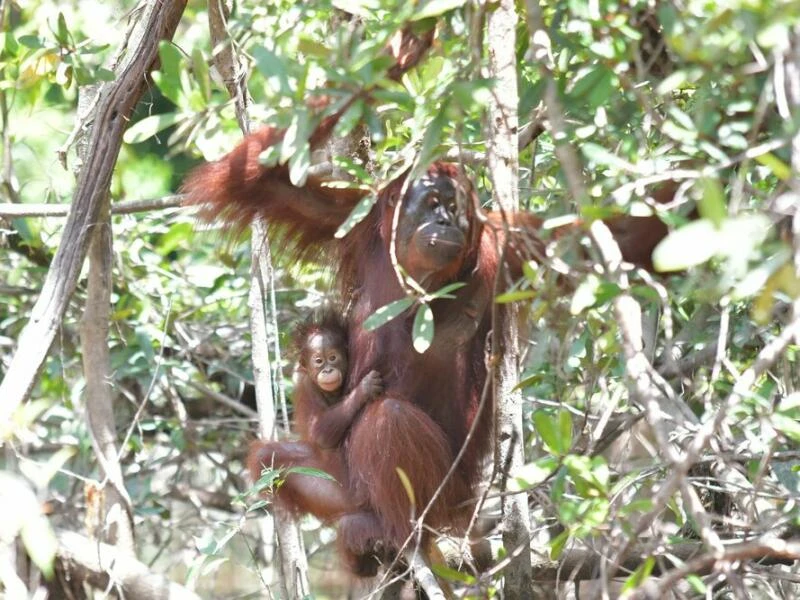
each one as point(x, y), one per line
point(787, 426)
point(515, 296)
point(422, 331)
point(599, 155)
point(445, 291)
point(386, 313)
point(449, 574)
point(533, 473)
point(692, 244)
point(357, 215)
point(672, 82)
point(23, 514)
point(296, 137)
point(712, 201)
point(361, 8)
point(779, 168)
point(434, 8)
point(168, 75)
point(273, 69)
point(349, 119)
point(201, 75)
point(406, 485)
point(311, 472)
point(547, 425)
point(756, 280)
point(62, 31)
point(641, 574)
point(299, 164)
point(585, 295)
point(149, 126)
point(557, 545)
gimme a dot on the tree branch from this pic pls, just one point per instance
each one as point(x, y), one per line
point(103, 567)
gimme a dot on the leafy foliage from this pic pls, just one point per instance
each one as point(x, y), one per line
point(652, 93)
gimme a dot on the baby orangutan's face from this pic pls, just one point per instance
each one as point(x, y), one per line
point(325, 361)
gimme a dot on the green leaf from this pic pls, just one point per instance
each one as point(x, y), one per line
point(515, 296)
point(431, 140)
point(422, 332)
point(691, 245)
point(404, 479)
point(271, 156)
point(636, 506)
point(533, 473)
point(258, 504)
point(548, 426)
point(22, 514)
point(386, 313)
point(310, 472)
point(787, 426)
point(640, 574)
point(594, 86)
point(434, 8)
point(299, 163)
point(712, 201)
point(357, 215)
point(40, 542)
point(361, 8)
point(149, 126)
point(585, 295)
point(600, 156)
point(177, 236)
point(168, 76)
point(273, 69)
point(672, 82)
point(31, 41)
point(779, 168)
point(296, 136)
point(697, 584)
point(200, 69)
point(62, 31)
point(565, 429)
point(444, 292)
point(756, 280)
point(558, 544)
point(349, 119)
point(449, 574)
point(267, 481)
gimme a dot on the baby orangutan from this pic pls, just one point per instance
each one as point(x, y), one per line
point(323, 414)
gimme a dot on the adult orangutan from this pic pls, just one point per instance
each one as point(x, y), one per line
point(431, 400)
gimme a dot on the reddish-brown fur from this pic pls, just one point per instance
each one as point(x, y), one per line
point(321, 419)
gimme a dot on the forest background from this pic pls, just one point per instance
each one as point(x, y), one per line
point(659, 413)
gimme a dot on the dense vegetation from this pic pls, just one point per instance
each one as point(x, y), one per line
point(672, 468)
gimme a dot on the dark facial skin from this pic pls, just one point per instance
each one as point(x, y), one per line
point(431, 232)
point(325, 361)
